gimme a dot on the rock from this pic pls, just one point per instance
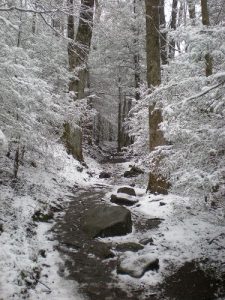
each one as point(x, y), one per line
point(127, 190)
point(104, 175)
point(148, 224)
point(33, 164)
point(72, 138)
point(161, 203)
point(133, 172)
point(1, 228)
point(195, 280)
point(102, 251)
point(42, 253)
point(106, 221)
point(122, 201)
point(80, 169)
point(146, 241)
point(38, 216)
point(137, 265)
point(133, 247)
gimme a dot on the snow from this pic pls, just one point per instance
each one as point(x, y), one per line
point(135, 264)
point(3, 143)
point(188, 231)
point(22, 239)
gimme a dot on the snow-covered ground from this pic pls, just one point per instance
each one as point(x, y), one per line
point(189, 230)
point(29, 262)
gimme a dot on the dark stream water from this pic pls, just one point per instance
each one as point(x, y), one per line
point(89, 261)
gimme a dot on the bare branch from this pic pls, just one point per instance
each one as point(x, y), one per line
point(36, 11)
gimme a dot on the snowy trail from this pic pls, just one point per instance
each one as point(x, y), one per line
point(181, 237)
point(186, 238)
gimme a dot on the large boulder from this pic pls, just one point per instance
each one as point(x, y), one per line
point(72, 138)
point(122, 200)
point(137, 265)
point(133, 172)
point(104, 221)
point(130, 246)
point(127, 190)
point(104, 175)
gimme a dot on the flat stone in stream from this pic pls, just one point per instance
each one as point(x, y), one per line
point(122, 200)
point(127, 190)
point(104, 221)
point(133, 172)
point(104, 175)
point(137, 265)
point(133, 247)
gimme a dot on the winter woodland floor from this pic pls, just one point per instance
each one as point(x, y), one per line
point(57, 260)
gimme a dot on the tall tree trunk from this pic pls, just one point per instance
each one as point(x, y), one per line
point(191, 10)
point(70, 34)
point(98, 11)
point(163, 36)
point(137, 75)
point(82, 47)
point(119, 134)
point(205, 12)
point(205, 21)
point(152, 43)
point(180, 14)
point(156, 183)
point(173, 25)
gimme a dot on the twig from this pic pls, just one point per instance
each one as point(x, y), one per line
point(29, 10)
point(205, 92)
point(44, 285)
point(221, 234)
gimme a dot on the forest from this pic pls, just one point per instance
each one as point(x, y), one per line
point(112, 149)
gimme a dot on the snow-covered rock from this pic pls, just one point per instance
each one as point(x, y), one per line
point(122, 199)
point(136, 265)
point(3, 143)
point(127, 190)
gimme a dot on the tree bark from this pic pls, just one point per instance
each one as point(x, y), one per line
point(205, 13)
point(191, 10)
point(173, 25)
point(156, 183)
point(206, 22)
point(152, 43)
point(163, 36)
point(70, 34)
point(119, 134)
point(136, 57)
point(82, 47)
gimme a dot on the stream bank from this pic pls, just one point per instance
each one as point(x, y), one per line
point(93, 263)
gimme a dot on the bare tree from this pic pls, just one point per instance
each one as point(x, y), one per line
point(156, 183)
point(206, 22)
point(191, 10)
point(163, 35)
point(81, 48)
point(152, 42)
point(71, 36)
point(137, 75)
point(173, 26)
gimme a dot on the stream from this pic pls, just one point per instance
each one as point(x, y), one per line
point(89, 261)
point(93, 263)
